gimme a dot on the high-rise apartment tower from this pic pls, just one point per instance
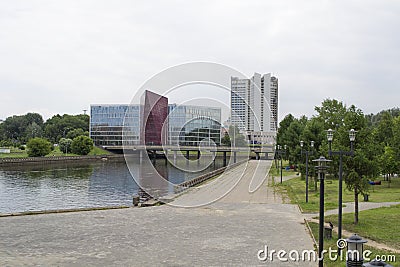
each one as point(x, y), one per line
point(254, 106)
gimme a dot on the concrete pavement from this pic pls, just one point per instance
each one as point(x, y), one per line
point(230, 231)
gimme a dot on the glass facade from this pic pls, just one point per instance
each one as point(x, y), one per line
point(107, 124)
point(187, 125)
point(190, 125)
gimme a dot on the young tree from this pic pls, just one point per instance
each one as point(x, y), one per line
point(388, 162)
point(65, 145)
point(226, 140)
point(237, 139)
point(81, 145)
point(358, 184)
point(38, 147)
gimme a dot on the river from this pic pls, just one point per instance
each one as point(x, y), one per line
point(72, 185)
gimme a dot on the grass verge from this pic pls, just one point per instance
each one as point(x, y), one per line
point(342, 262)
point(295, 189)
point(380, 225)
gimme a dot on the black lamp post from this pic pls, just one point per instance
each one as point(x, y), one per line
point(352, 137)
point(279, 152)
point(355, 250)
point(306, 152)
point(321, 168)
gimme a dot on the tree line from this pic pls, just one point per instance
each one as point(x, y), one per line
point(71, 132)
point(376, 147)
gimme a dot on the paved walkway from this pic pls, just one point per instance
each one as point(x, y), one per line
point(230, 231)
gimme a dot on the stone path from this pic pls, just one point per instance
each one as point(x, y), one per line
point(229, 232)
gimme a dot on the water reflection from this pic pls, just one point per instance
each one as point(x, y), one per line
point(80, 185)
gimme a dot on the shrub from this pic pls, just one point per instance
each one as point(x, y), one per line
point(38, 147)
point(82, 145)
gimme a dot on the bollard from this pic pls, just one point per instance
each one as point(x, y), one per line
point(135, 200)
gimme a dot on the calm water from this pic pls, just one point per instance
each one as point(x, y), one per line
point(65, 186)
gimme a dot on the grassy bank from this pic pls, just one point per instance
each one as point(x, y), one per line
point(342, 263)
point(295, 189)
point(17, 153)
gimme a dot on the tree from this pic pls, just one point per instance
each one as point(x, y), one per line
point(283, 126)
point(384, 129)
point(236, 138)
point(356, 181)
point(76, 132)
point(291, 138)
point(19, 128)
point(33, 130)
point(396, 140)
point(81, 145)
point(38, 147)
point(331, 113)
point(226, 140)
point(59, 126)
point(364, 162)
point(65, 145)
point(388, 162)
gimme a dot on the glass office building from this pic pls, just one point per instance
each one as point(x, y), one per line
point(107, 124)
point(187, 125)
point(190, 125)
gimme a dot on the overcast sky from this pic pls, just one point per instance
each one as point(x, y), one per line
point(61, 56)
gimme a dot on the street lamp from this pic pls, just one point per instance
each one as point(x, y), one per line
point(355, 248)
point(279, 152)
point(352, 137)
point(306, 153)
point(321, 168)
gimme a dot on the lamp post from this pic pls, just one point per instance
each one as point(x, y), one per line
point(321, 168)
point(306, 153)
point(279, 152)
point(352, 137)
point(355, 250)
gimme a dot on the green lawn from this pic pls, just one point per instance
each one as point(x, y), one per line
point(277, 172)
point(17, 153)
point(381, 225)
point(332, 244)
point(295, 189)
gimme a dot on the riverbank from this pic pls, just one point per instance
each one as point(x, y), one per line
point(49, 160)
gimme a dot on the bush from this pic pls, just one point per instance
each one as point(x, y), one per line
point(21, 147)
point(82, 145)
point(65, 145)
point(38, 147)
point(5, 143)
point(76, 132)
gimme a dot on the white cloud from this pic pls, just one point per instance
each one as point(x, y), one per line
point(60, 56)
